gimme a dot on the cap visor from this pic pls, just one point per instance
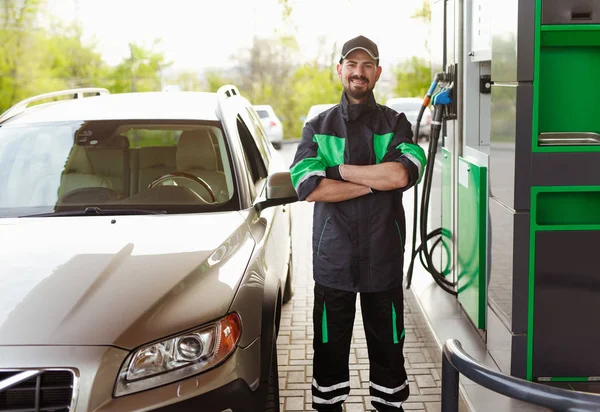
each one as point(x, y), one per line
point(360, 48)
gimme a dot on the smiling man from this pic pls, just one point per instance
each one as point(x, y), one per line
point(354, 162)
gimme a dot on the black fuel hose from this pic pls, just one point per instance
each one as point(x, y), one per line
point(422, 250)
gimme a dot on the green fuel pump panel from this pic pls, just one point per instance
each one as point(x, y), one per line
point(522, 243)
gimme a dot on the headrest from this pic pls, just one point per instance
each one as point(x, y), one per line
point(78, 161)
point(155, 156)
point(196, 151)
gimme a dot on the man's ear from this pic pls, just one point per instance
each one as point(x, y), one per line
point(339, 70)
point(378, 73)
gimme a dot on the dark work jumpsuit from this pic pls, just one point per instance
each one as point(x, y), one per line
point(358, 247)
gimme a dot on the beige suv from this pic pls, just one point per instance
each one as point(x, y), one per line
point(145, 253)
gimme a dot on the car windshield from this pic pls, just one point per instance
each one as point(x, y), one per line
point(164, 166)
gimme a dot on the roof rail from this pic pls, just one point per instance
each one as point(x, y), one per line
point(228, 90)
point(75, 93)
point(223, 93)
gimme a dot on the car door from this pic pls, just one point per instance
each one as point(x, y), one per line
point(281, 235)
point(266, 224)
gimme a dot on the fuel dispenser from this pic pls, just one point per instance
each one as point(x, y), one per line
point(517, 210)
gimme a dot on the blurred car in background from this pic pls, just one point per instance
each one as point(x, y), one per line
point(271, 124)
point(316, 109)
point(410, 106)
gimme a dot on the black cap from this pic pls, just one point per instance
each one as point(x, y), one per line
point(360, 42)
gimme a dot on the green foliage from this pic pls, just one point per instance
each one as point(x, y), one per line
point(311, 84)
point(214, 80)
point(140, 72)
point(36, 60)
point(413, 77)
point(424, 13)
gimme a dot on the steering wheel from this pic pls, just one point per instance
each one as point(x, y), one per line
point(92, 194)
point(188, 176)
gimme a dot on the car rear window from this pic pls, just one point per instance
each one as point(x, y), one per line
point(263, 114)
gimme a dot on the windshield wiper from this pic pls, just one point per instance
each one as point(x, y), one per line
point(96, 211)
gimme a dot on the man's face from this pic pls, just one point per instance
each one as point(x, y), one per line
point(358, 72)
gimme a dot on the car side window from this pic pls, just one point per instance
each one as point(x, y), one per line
point(261, 138)
point(253, 154)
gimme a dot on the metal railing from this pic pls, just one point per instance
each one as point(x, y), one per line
point(456, 361)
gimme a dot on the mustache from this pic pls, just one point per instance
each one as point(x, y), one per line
point(361, 78)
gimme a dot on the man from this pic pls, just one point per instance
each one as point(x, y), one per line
point(354, 162)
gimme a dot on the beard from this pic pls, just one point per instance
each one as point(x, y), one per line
point(358, 93)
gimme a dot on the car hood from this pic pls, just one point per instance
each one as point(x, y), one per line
point(121, 281)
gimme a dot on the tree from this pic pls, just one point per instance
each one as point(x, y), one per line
point(413, 77)
point(263, 74)
point(17, 62)
point(424, 15)
point(214, 79)
point(311, 84)
point(188, 81)
point(140, 72)
point(70, 62)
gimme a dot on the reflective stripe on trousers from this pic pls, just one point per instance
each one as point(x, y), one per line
point(333, 320)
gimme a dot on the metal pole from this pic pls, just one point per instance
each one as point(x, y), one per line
point(449, 386)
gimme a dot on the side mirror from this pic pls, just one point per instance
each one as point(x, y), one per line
point(280, 191)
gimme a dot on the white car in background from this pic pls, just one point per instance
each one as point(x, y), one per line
point(316, 109)
point(271, 124)
point(410, 106)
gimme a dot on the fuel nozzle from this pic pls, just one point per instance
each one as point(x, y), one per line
point(441, 102)
point(439, 77)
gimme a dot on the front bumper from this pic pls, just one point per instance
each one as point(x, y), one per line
point(96, 369)
point(235, 396)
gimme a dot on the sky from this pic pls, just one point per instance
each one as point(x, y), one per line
point(196, 34)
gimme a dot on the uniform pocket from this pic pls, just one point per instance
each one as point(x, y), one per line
point(321, 236)
point(399, 234)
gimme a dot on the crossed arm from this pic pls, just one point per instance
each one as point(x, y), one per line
point(359, 181)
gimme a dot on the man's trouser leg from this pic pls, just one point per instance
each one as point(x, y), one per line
point(333, 319)
point(383, 318)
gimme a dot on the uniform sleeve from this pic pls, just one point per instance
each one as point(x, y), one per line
point(308, 167)
point(402, 149)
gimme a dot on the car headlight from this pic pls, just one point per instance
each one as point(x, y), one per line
point(178, 357)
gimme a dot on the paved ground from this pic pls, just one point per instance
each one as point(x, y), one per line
point(295, 339)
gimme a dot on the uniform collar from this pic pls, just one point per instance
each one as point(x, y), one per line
point(351, 112)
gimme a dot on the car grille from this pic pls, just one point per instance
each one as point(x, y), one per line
point(46, 391)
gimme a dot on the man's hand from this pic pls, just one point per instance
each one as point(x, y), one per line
point(381, 177)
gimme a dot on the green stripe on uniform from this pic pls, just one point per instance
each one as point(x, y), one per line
point(330, 152)
point(324, 332)
point(394, 327)
point(415, 151)
point(399, 234)
point(306, 166)
point(331, 149)
point(380, 145)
